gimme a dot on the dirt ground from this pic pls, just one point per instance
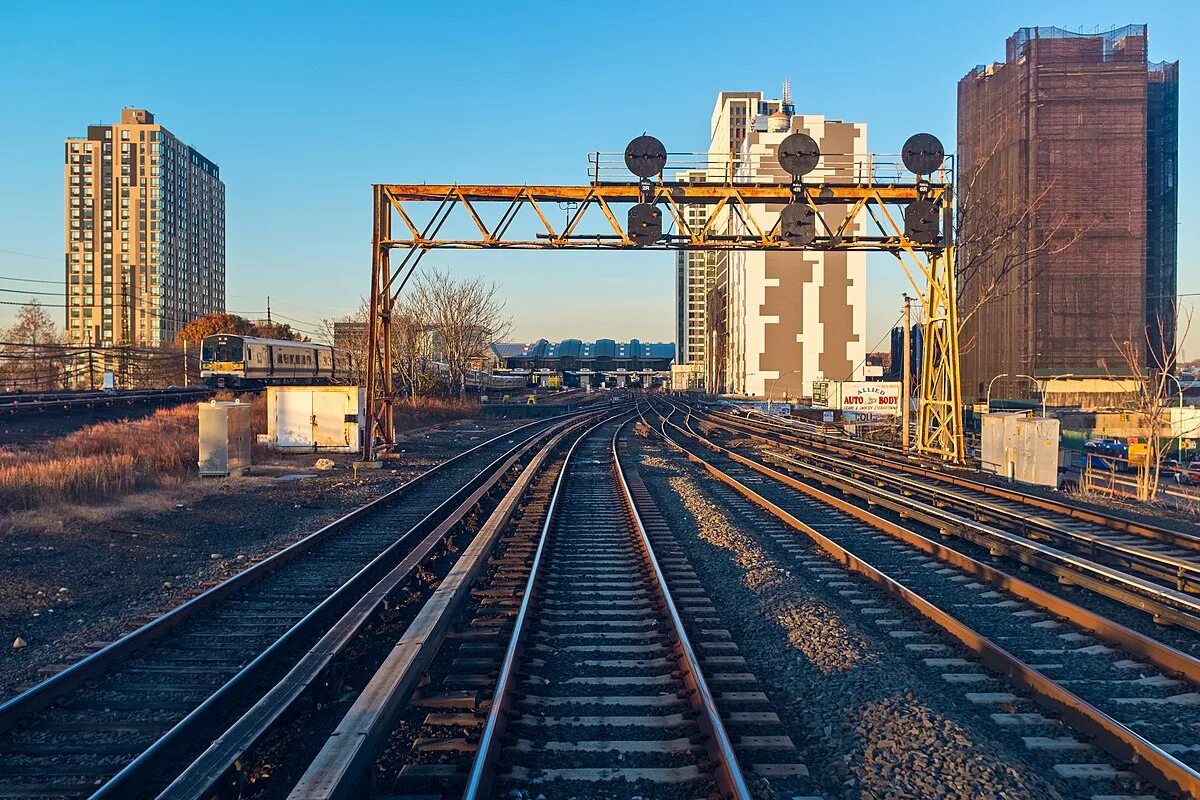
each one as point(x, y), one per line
point(87, 575)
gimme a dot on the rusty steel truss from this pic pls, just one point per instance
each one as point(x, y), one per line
point(839, 209)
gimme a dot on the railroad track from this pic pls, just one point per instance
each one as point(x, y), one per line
point(588, 655)
point(1150, 568)
point(59, 402)
point(118, 722)
point(1035, 652)
point(894, 459)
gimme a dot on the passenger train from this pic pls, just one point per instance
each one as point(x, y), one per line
point(247, 362)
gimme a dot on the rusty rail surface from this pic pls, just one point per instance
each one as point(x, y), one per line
point(347, 756)
point(1123, 743)
point(138, 775)
point(717, 743)
point(870, 454)
point(1164, 603)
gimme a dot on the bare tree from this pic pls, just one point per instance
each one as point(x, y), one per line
point(1003, 243)
point(348, 336)
point(1150, 369)
point(412, 346)
point(31, 354)
point(411, 354)
point(464, 317)
point(441, 327)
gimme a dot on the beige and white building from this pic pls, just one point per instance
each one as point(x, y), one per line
point(775, 322)
point(145, 234)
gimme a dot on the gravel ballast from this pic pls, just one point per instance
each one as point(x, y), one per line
point(871, 718)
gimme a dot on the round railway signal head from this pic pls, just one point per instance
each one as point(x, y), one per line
point(645, 156)
point(645, 224)
point(922, 153)
point(921, 219)
point(797, 224)
point(798, 154)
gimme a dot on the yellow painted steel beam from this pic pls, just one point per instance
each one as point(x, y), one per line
point(612, 242)
point(687, 193)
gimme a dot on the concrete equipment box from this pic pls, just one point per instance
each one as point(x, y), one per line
point(225, 438)
point(315, 418)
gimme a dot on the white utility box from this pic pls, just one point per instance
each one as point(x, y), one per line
point(1020, 447)
point(225, 438)
point(315, 418)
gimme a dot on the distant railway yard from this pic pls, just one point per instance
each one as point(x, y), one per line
point(606, 594)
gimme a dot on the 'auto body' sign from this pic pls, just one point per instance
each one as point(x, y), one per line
point(868, 397)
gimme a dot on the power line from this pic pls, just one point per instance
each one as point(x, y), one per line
point(30, 291)
point(26, 255)
point(30, 280)
point(43, 305)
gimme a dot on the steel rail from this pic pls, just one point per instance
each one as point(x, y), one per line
point(346, 754)
point(149, 763)
point(1156, 652)
point(133, 777)
point(1182, 572)
point(1169, 565)
point(1163, 603)
point(850, 447)
point(1153, 762)
point(718, 744)
point(480, 776)
point(42, 695)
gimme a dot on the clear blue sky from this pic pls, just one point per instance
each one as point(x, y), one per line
point(304, 105)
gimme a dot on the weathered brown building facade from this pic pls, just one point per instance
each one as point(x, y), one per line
point(1060, 155)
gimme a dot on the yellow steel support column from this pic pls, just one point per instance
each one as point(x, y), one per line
point(940, 423)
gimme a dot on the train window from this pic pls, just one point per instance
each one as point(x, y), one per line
point(212, 350)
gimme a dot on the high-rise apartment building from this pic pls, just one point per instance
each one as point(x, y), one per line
point(145, 234)
point(772, 323)
point(1067, 158)
point(694, 273)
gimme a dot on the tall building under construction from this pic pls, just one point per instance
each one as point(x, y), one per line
point(1067, 168)
point(145, 234)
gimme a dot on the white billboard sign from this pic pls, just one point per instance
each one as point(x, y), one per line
point(867, 397)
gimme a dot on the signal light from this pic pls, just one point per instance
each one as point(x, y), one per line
point(797, 224)
point(645, 224)
point(921, 220)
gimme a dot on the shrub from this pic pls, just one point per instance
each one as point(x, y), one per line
point(101, 461)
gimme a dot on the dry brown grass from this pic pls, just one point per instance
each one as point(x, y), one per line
point(102, 461)
point(108, 460)
point(258, 407)
point(425, 411)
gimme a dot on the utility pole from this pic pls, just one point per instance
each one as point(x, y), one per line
point(268, 310)
point(905, 374)
point(185, 364)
